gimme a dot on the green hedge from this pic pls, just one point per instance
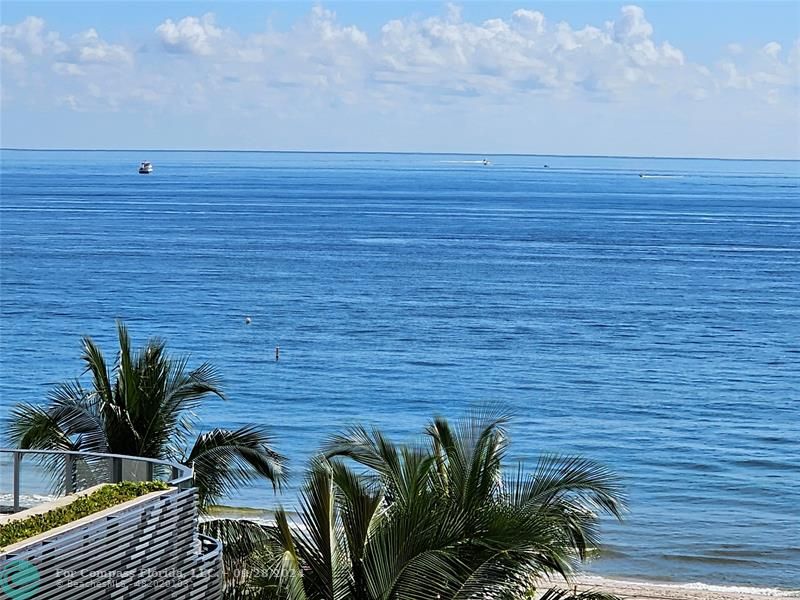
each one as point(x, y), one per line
point(106, 497)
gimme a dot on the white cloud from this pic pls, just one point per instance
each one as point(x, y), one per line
point(27, 34)
point(772, 49)
point(526, 54)
point(441, 57)
point(632, 27)
point(190, 35)
point(30, 41)
point(734, 49)
point(733, 78)
point(794, 54)
point(92, 49)
point(672, 54)
point(528, 22)
point(11, 56)
point(29, 38)
point(70, 101)
point(415, 61)
point(65, 68)
point(323, 24)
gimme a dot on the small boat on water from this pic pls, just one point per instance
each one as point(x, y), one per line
point(145, 168)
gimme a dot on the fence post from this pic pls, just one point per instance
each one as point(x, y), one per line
point(69, 474)
point(15, 484)
point(116, 470)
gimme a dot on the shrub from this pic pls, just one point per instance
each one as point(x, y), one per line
point(106, 497)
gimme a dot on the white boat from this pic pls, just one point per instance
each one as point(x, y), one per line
point(145, 168)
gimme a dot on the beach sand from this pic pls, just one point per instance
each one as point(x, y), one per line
point(663, 591)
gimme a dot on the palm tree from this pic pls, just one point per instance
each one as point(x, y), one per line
point(442, 520)
point(145, 407)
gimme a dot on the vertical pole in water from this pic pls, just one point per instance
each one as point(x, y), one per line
point(69, 474)
point(15, 483)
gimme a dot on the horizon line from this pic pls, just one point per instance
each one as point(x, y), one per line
point(261, 151)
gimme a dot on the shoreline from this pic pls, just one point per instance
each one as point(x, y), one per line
point(630, 589)
point(650, 590)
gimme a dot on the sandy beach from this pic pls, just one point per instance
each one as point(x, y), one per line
point(692, 591)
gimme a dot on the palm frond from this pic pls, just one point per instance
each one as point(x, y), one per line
point(225, 460)
point(241, 539)
point(440, 520)
point(288, 566)
point(317, 540)
point(69, 423)
point(590, 594)
point(415, 544)
point(469, 454)
point(127, 376)
point(368, 448)
point(33, 427)
point(558, 478)
point(96, 365)
point(182, 394)
point(360, 513)
point(78, 414)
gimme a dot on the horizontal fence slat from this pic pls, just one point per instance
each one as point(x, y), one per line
point(150, 550)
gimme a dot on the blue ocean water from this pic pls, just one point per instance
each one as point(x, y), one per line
point(651, 323)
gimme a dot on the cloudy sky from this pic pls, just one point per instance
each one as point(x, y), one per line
point(654, 78)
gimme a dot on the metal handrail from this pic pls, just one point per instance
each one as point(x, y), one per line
point(181, 476)
point(210, 548)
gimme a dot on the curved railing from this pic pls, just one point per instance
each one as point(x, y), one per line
point(210, 568)
point(67, 471)
point(156, 538)
point(210, 548)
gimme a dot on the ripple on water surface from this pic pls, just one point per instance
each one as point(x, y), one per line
point(649, 323)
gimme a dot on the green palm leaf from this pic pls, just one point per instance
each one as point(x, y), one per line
point(226, 460)
point(144, 406)
point(557, 478)
point(441, 520)
point(560, 594)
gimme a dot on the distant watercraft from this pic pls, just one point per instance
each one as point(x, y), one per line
point(645, 176)
point(486, 162)
point(145, 168)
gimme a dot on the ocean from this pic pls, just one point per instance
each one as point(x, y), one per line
point(651, 323)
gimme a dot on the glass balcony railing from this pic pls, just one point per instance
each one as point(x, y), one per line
point(31, 477)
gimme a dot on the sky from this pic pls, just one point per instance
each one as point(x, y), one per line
point(693, 78)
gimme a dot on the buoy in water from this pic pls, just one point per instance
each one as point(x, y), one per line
point(247, 320)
